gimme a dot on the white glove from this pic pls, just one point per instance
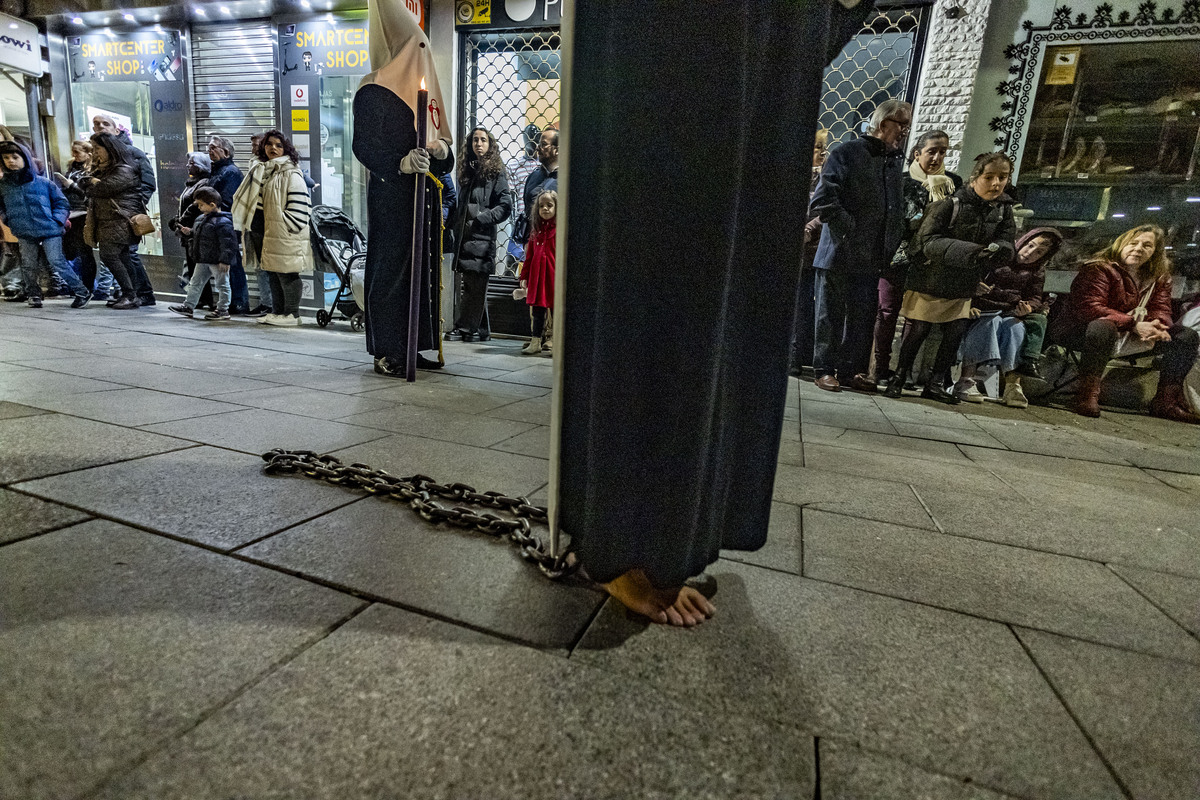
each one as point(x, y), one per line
point(439, 149)
point(416, 162)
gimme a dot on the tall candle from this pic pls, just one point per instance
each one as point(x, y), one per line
point(419, 255)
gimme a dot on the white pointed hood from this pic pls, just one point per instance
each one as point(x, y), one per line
point(400, 57)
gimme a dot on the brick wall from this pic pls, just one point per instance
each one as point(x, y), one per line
point(949, 71)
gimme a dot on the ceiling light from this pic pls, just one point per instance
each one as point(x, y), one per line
point(225, 10)
point(77, 20)
point(199, 12)
point(129, 17)
point(1192, 200)
point(12, 25)
point(1118, 216)
point(1154, 208)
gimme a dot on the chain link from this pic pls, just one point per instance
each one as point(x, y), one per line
point(418, 491)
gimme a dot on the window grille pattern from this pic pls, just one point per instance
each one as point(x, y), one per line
point(876, 65)
point(233, 82)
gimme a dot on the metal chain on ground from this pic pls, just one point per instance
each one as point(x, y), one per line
point(418, 491)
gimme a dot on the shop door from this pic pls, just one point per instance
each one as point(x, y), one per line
point(880, 63)
point(510, 81)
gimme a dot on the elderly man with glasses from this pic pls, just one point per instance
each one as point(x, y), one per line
point(861, 203)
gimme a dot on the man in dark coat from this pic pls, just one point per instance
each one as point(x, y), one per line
point(544, 178)
point(226, 177)
point(860, 200)
point(679, 305)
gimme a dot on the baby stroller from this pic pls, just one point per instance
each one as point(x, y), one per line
point(340, 248)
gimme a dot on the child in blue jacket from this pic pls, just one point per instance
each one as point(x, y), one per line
point(36, 211)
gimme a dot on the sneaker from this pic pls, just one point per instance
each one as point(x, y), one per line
point(282, 320)
point(112, 301)
point(968, 391)
point(186, 311)
point(217, 315)
point(81, 300)
point(14, 296)
point(100, 296)
point(259, 311)
point(35, 302)
point(1014, 395)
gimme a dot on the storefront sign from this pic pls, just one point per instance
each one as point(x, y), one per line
point(1064, 62)
point(508, 13)
point(19, 48)
point(137, 56)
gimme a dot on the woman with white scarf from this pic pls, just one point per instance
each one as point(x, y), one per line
point(927, 182)
point(273, 204)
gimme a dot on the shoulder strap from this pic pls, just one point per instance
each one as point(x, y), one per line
point(954, 205)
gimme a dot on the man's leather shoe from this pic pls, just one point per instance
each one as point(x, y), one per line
point(829, 383)
point(862, 383)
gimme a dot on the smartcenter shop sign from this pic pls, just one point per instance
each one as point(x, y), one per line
point(136, 56)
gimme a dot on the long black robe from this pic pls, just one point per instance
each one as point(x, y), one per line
point(384, 134)
point(690, 152)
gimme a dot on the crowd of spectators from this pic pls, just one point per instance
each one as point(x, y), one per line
point(913, 241)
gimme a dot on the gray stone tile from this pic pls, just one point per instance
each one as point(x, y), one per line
point(13, 410)
point(542, 376)
point(382, 549)
point(306, 402)
point(1009, 584)
point(22, 351)
point(851, 773)
point(535, 410)
point(26, 516)
point(820, 434)
point(1177, 596)
point(343, 381)
point(807, 391)
point(924, 412)
point(439, 395)
point(963, 477)
point(1031, 466)
point(791, 451)
point(535, 442)
point(22, 387)
point(399, 706)
point(500, 386)
point(901, 446)
point(447, 426)
point(116, 641)
point(472, 371)
point(52, 443)
point(486, 470)
point(149, 376)
point(872, 498)
point(512, 360)
point(1169, 458)
point(1151, 535)
point(1143, 713)
point(1047, 440)
point(256, 431)
point(946, 692)
point(859, 417)
point(783, 550)
point(940, 433)
point(214, 497)
point(133, 407)
point(1187, 483)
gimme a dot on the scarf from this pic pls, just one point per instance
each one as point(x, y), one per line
point(938, 184)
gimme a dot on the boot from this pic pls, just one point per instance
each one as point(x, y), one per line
point(895, 385)
point(1169, 403)
point(1087, 398)
point(1091, 163)
point(533, 348)
point(1077, 157)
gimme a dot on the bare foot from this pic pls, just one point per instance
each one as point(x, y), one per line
point(680, 606)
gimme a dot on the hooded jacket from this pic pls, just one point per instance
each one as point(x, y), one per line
point(226, 177)
point(113, 197)
point(950, 243)
point(213, 239)
point(188, 211)
point(147, 185)
point(32, 206)
point(1011, 283)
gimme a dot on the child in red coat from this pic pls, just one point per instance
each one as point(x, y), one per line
point(538, 275)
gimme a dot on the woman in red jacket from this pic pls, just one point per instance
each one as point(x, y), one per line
point(1120, 304)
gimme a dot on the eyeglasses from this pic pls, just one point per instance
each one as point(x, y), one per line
point(903, 126)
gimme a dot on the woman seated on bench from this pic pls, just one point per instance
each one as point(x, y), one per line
point(1120, 305)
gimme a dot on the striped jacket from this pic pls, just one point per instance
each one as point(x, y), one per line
point(277, 189)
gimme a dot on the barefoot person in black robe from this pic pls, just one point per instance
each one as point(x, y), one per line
point(385, 141)
point(670, 422)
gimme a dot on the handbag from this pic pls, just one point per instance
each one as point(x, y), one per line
point(1129, 344)
point(141, 224)
point(89, 229)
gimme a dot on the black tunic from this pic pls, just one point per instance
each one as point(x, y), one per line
point(679, 303)
point(384, 134)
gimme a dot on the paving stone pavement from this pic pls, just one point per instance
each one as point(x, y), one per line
point(971, 603)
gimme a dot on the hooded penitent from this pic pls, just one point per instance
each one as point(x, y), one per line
point(385, 132)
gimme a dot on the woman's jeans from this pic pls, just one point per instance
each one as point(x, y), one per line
point(200, 276)
point(285, 292)
point(52, 248)
point(116, 257)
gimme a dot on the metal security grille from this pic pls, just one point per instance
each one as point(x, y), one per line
point(511, 81)
point(877, 65)
point(234, 82)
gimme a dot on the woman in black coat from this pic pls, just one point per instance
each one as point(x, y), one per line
point(113, 191)
point(961, 239)
point(484, 201)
